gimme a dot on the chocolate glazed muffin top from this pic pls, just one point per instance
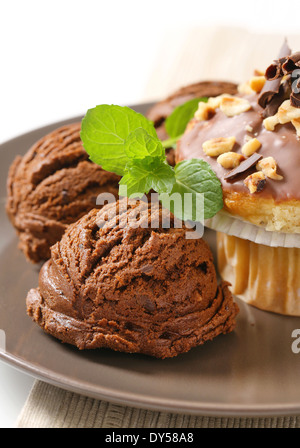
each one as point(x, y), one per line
point(51, 186)
point(161, 110)
point(134, 289)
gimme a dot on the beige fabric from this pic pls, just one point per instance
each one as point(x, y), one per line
point(50, 407)
point(184, 56)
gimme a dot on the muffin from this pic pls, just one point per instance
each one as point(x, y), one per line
point(51, 186)
point(251, 140)
point(115, 282)
point(161, 110)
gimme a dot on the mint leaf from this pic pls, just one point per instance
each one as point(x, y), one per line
point(177, 121)
point(125, 142)
point(140, 144)
point(143, 175)
point(195, 177)
point(104, 130)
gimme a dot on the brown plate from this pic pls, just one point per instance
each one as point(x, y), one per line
point(252, 371)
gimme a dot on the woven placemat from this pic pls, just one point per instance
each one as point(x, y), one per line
point(48, 406)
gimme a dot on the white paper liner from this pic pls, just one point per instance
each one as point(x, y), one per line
point(235, 226)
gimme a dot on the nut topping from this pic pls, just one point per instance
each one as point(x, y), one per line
point(245, 89)
point(296, 124)
point(231, 105)
point(268, 166)
point(287, 113)
point(250, 147)
point(256, 83)
point(270, 122)
point(204, 111)
point(215, 101)
point(255, 182)
point(217, 146)
point(230, 160)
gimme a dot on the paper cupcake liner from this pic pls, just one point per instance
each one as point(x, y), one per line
point(263, 276)
point(235, 226)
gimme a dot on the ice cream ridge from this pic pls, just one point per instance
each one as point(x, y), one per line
point(51, 186)
point(129, 288)
point(251, 140)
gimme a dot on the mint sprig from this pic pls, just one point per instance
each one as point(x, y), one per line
point(177, 121)
point(104, 130)
point(196, 177)
point(143, 175)
point(125, 142)
point(139, 144)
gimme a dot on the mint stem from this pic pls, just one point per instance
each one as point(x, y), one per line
point(170, 142)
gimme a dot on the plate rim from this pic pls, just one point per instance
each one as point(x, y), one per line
point(145, 402)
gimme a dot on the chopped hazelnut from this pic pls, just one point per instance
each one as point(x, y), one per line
point(268, 166)
point(270, 122)
point(256, 83)
point(231, 105)
point(215, 101)
point(255, 182)
point(230, 160)
point(287, 112)
point(204, 111)
point(250, 147)
point(217, 146)
point(296, 124)
point(245, 88)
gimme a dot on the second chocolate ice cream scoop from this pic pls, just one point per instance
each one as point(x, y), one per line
point(51, 186)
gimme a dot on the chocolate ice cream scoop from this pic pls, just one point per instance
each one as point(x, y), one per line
point(115, 282)
point(52, 186)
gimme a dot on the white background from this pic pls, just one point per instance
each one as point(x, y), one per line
point(59, 58)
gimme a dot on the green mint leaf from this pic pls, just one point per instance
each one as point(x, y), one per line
point(177, 121)
point(196, 177)
point(104, 130)
point(140, 144)
point(143, 175)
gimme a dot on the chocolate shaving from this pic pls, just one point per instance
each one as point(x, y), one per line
point(291, 63)
point(295, 99)
point(244, 166)
point(283, 94)
point(273, 72)
point(272, 87)
point(275, 91)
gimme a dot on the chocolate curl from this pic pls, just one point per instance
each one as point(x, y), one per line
point(295, 99)
point(268, 95)
point(291, 63)
point(244, 166)
point(274, 71)
point(270, 89)
point(283, 94)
